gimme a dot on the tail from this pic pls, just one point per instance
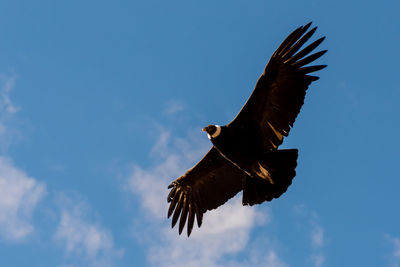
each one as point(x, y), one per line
point(280, 166)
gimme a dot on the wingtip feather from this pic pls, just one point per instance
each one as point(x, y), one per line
point(190, 220)
point(171, 195)
point(184, 214)
point(173, 204)
point(177, 212)
point(305, 27)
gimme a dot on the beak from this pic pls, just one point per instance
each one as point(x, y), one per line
point(204, 129)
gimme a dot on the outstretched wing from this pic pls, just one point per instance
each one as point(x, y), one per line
point(279, 93)
point(206, 186)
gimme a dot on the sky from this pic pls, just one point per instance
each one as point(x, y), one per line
point(102, 105)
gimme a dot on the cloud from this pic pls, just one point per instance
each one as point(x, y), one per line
point(316, 234)
point(225, 232)
point(395, 253)
point(6, 106)
point(173, 107)
point(317, 241)
point(81, 237)
point(19, 195)
point(272, 260)
point(7, 113)
point(396, 250)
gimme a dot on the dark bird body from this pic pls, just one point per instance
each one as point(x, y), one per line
point(245, 155)
point(240, 145)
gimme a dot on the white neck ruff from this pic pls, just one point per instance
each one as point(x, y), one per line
point(217, 132)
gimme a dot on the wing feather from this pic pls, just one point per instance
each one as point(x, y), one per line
point(299, 44)
point(190, 219)
point(206, 186)
point(280, 91)
point(309, 59)
point(178, 210)
point(184, 213)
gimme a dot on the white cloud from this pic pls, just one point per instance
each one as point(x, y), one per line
point(395, 253)
point(19, 195)
point(396, 250)
point(79, 236)
point(317, 236)
point(317, 259)
point(6, 106)
point(272, 260)
point(225, 232)
point(7, 113)
point(173, 107)
point(317, 242)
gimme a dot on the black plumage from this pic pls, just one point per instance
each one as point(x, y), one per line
point(245, 155)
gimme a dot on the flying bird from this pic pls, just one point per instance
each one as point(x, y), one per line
point(245, 155)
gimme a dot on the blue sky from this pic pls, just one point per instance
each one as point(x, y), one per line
point(101, 106)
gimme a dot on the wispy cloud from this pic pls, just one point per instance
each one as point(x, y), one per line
point(317, 242)
point(173, 106)
point(7, 113)
point(225, 232)
point(317, 237)
point(19, 193)
point(394, 257)
point(396, 248)
point(82, 237)
point(6, 106)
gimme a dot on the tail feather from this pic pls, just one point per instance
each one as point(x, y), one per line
point(281, 165)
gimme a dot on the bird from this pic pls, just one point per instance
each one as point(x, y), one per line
point(244, 155)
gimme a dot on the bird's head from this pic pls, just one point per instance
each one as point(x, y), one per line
point(212, 131)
